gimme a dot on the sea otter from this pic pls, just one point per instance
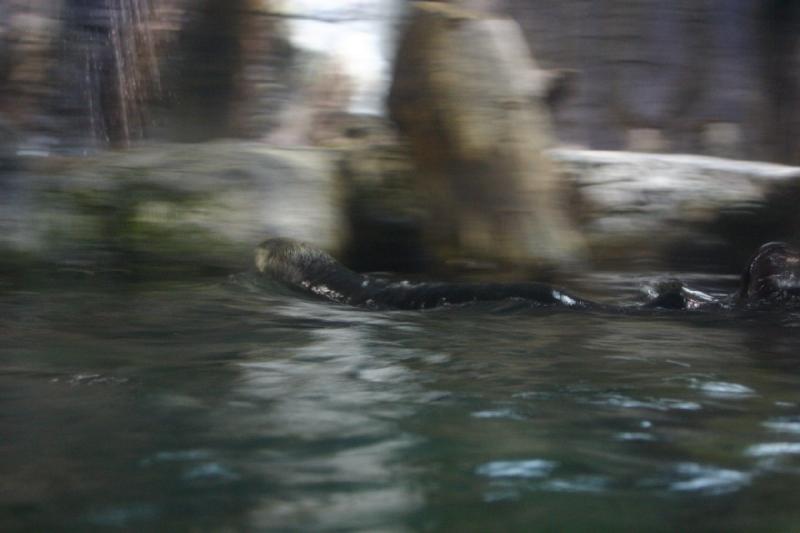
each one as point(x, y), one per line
point(772, 277)
point(311, 270)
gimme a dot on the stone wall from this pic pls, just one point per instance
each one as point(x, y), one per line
point(88, 74)
point(717, 77)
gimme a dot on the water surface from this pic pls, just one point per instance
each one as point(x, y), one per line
point(236, 404)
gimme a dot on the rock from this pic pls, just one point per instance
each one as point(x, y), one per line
point(722, 80)
point(467, 96)
point(8, 148)
point(171, 208)
point(383, 208)
point(690, 210)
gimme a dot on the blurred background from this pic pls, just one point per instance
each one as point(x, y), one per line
point(711, 77)
point(428, 129)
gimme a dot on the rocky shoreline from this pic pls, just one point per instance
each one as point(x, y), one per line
point(197, 208)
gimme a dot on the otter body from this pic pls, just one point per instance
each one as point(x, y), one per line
point(772, 278)
point(311, 270)
point(772, 275)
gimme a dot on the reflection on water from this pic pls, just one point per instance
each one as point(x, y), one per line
point(241, 405)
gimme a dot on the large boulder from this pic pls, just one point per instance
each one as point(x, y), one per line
point(170, 208)
point(680, 210)
point(468, 97)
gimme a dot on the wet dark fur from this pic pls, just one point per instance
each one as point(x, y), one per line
point(313, 270)
point(772, 277)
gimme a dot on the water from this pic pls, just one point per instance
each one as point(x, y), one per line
point(236, 405)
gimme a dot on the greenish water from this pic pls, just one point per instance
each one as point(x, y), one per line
point(235, 405)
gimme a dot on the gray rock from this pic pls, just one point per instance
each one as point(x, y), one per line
point(171, 207)
point(637, 204)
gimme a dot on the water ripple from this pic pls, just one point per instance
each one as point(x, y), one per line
point(210, 472)
point(784, 424)
point(635, 436)
point(526, 468)
point(657, 404)
point(177, 455)
point(722, 389)
point(90, 379)
point(773, 448)
point(709, 480)
point(578, 484)
point(507, 414)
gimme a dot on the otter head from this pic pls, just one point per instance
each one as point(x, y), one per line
point(290, 261)
point(772, 275)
